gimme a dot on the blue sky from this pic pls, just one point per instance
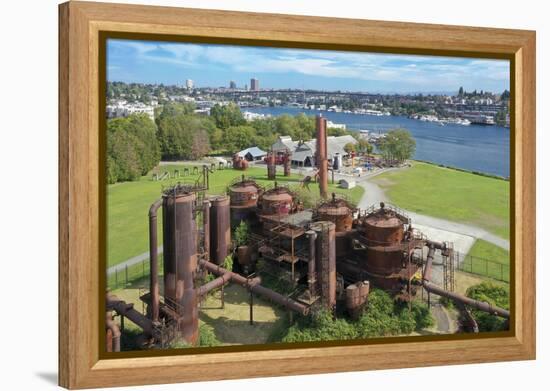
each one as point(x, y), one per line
point(216, 65)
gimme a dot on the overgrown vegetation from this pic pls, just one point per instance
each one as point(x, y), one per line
point(493, 294)
point(241, 234)
point(207, 338)
point(384, 317)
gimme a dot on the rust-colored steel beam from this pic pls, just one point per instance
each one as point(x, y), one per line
point(480, 305)
point(153, 259)
point(254, 286)
point(322, 155)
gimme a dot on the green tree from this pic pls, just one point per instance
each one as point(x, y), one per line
point(237, 138)
point(227, 115)
point(180, 134)
point(122, 157)
point(349, 148)
point(398, 145)
point(132, 147)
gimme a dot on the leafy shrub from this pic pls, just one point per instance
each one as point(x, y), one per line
point(207, 337)
point(228, 263)
point(495, 295)
point(241, 234)
point(383, 317)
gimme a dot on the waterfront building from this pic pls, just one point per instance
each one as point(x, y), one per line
point(302, 153)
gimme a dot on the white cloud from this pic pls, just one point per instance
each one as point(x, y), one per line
point(443, 72)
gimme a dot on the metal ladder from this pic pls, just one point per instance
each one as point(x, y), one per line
point(449, 257)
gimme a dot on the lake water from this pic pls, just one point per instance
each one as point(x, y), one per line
point(474, 147)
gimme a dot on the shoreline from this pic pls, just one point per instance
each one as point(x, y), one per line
point(484, 174)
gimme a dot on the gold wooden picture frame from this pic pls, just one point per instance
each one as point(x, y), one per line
point(83, 28)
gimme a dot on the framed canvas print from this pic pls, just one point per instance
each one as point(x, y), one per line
point(329, 194)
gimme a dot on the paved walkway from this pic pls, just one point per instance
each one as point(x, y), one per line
point(374, 194)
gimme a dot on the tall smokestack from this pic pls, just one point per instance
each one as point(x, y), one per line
point(321, 155)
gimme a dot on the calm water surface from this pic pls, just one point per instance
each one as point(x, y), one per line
point(474, 147)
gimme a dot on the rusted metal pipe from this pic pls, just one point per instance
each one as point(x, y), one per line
point(206, 228)
point(254, 286)
point(432, 288)
point(321, 155)
point(124, 309)
point(311, 236)
point(214, 284)
point(429, 261)
point(153, 259)
point(113, 343)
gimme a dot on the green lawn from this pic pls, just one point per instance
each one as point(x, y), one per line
point(450, 194)
point(128, 206)
point(486, 259)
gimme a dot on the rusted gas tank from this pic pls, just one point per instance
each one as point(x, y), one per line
point(383, 228)
point(243, 201)
point(387, 254)
point(356, 298)
point(276, 201)
point(220, 230)
point(339, 212)
point(180, 259)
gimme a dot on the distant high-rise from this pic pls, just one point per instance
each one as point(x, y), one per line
point(254, 84)
point(189, 84)
point(232, 85)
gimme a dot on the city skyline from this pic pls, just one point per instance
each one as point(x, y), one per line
point(209, 65)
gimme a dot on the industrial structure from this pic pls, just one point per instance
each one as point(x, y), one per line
point(332, 254)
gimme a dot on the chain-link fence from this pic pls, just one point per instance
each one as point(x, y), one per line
point(130, 276)
point(484, 267)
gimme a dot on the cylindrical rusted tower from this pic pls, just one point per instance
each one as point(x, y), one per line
point(286, 164)
point(321, 155)
point(180, 260)
point(220, 230)
point(386, 260)
point(326, 262)
point(244, 199)
point(271, 167)
point(356, 298)
point(340, 212)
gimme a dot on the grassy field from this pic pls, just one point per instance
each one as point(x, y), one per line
point(128, 205)
point(450, 194)
point(486, 259)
